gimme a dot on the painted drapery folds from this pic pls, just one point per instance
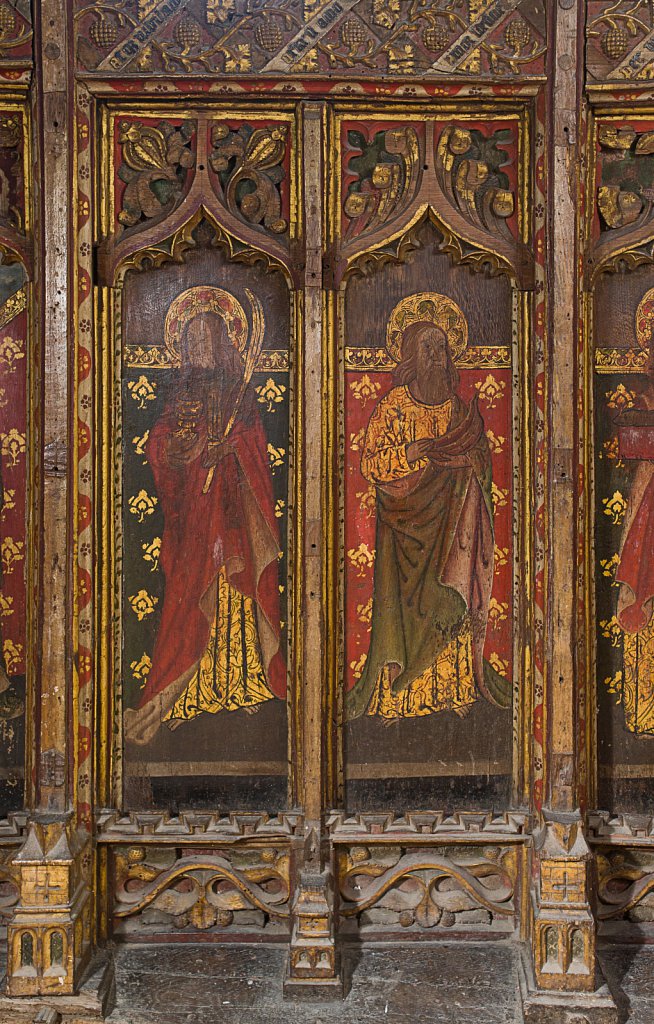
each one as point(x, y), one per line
point(429, 464)
point(624, 506)
point(202, 656)
point(15, 292)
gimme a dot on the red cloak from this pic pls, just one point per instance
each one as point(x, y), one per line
point(231, 527)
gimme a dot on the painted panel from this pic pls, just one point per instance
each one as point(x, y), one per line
point(624, 465)
point(430, 486)
point(203, 466)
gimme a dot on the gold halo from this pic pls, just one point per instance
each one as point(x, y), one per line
point(204, 299)
point(645, 319)
point(436, 309)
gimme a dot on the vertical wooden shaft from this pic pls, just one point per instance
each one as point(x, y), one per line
point(313, 626)
point(52, 261)
point(563, 184)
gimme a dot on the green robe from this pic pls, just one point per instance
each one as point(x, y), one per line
point(434, 565)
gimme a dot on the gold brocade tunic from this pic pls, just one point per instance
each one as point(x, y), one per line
point(448, 684)
point(230, 674)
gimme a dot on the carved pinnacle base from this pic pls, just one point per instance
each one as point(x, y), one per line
point(313, 970)
point(539, 1007)
point(94, 1001)
point(313, 989)
point(49, 934)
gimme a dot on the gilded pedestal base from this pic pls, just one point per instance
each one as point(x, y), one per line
point(92, 1003)
point(313, 970)
point(49, 935)
point(541, 1007)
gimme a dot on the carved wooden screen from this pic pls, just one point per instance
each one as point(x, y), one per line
point(255, 307)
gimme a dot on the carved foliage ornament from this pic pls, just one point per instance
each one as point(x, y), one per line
point(402, 38)
point(428, 888)
point(625, 198)
point(155, 164)
point(201, 891)
point(386, 167)
point(248, 163)
point(618, 33)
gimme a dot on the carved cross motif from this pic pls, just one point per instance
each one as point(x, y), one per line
point(45, 888)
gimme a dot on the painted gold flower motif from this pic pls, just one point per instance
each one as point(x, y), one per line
point(621, 398)
point(364, 612)
point(13, 444)
point(358, 666)
point(611, 450)
point(238, 58)
point(368, 501)
point(614, 685)
point(611, 630)
point(499, 496)
point(361, 558)
point(12, 552)
point(142, 604)
point(8, 502)
point(12, 654)
point(140, 442)
point(500, 666)
point(497, 611)
point(151, 553)
point(270, 394)
point(6, 604)
point(491, 390)
point(385, 12)
point(615, 507)
point(142, 390)
point(401, 59)
point(219, 10)
point(279, 508)
point(275, 457)
point(501, 557)
point(142, 505)
point(364, 389)
point(11, 350)
point(141, 668)
point(496, 443)
point(357, 440)
point(610, 567)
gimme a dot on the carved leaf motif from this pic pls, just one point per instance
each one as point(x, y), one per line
point(249, 163)
point(616, 138)
point(645, 144)
point(618, 208)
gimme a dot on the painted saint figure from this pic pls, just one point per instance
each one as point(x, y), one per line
point(218, 643)
point(427, 455)
point(635, 573)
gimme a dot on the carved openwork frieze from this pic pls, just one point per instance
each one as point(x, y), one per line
point(604, 827)
point(393, 888)
point(344, 826)
point(484, 38)
point(160, 889)
point(115, 827)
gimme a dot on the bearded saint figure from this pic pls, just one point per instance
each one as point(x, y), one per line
point(218, 643)
point(427, 455)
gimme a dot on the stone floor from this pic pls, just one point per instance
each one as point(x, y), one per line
point(439, 983)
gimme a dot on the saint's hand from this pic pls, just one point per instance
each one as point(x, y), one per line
point(417, 450)
point(216, 452)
